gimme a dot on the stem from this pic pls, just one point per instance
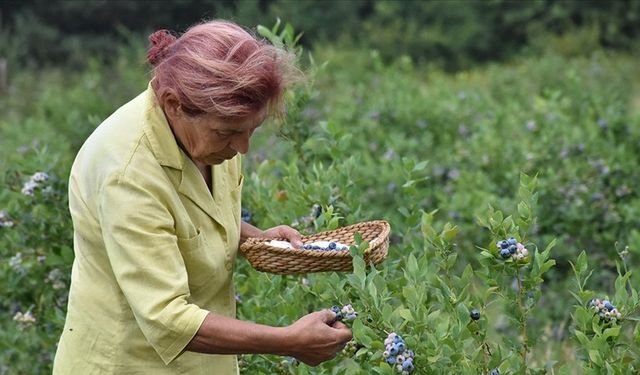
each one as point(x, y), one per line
point(523, 321)
point(486, 351)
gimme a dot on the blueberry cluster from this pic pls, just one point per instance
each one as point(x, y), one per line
point(397, 355)
point(5, 222)
point(325, 245)
point(35, 181)
point(605, 309)
point(345, 313)
point(511, 248)
point(285, 365)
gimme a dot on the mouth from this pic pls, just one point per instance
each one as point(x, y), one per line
point(221, 158)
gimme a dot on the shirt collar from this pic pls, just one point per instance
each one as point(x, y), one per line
point(163, 142)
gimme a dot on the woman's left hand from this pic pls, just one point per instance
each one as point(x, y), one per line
point(285, 231)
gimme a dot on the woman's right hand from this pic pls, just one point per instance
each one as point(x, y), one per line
point(312, 340)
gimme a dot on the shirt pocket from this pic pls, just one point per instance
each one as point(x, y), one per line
point(203, 262)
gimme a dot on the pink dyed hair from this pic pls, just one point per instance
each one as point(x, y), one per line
point(219, 68)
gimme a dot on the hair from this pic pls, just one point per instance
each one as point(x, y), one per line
point(219, 68)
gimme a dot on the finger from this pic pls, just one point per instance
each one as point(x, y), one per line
point(344, 331)
point(294, 237)
point(327, 316)
point(339, 325)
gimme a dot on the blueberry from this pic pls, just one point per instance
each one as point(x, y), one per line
point(245, 215)
point(608, 305)
point(400, 347)
point(504, 244)
point(495, 371)
point(407, 365)
point(530, 295)
point(397, 339)
point(393, 350)
point(512, 241)
point(316, 210)
point(513, 249)
point(505, 253)
point(332, 245)
point(351, 316)
point(335, 309)
point(475, 314)
point(339, 316)
point(391, 360)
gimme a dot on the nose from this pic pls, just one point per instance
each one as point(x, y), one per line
point(241, 142)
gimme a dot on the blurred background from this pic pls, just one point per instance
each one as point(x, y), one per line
point(450, 34)
point(410, 106)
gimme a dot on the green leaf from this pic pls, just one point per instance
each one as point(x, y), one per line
point(359, 269)
point(595, 357)
point(582, 338)
point(412, 265)
point(405, 314)
point(611, 332)
point(581, 263)
point(523, 210)
point(420, 166)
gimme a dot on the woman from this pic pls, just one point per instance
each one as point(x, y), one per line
point(154, 194)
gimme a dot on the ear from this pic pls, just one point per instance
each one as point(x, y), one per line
point(171, 105)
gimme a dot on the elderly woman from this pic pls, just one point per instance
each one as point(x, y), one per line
point(154, 194)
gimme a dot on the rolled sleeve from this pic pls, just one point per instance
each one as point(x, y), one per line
point(139, 235)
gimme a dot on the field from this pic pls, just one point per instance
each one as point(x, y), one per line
point(543, 148)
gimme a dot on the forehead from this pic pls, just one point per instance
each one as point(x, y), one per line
point(237, 124)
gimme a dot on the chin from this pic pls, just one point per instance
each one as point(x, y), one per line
point(216, 159)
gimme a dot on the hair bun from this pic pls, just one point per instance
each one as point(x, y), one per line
point(160, 41)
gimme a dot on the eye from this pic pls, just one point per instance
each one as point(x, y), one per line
point(224, 133)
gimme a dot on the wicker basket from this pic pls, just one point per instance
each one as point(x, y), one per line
point(266, 258)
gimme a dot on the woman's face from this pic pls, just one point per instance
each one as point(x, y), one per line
point(209, 139)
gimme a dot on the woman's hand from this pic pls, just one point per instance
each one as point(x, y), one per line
point(311, 340)
point(281, 231)
point(284, 231)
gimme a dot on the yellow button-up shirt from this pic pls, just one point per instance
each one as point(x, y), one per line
point(154, 250)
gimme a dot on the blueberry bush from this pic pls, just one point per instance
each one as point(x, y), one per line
point(510, 190)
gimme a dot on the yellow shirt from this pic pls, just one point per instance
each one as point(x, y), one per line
point(154, 250)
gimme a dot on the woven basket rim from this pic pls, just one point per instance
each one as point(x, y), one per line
point(323, 253)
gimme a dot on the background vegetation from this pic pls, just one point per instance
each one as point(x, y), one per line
point(420, 106)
